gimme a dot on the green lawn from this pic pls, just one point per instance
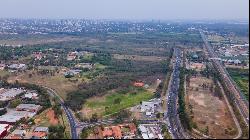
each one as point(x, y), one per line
point(88, 75)
point(109, 106)
point(241, 77)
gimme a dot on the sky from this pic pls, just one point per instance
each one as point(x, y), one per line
point(126, 9)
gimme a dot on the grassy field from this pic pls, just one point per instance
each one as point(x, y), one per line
point(139, 58)
point(57, 82)
point(106, 105)
point(3, 73)
point(241, 77)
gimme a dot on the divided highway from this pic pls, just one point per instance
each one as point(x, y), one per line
point(172, 118)
point(240, 101)
point(69, 114)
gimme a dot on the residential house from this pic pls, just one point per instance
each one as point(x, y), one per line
point(40, 133)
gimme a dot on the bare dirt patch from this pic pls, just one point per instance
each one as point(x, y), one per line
point(208, 110)
point(52, 118)
point(197, 66)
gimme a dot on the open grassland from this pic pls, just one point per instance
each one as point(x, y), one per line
point(241, 77)
point(139, 58)
point(4, 73)
point(209, 112)
point(35, 39)
point(57, 82)
point(109, 104)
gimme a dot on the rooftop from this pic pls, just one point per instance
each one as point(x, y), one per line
point(28, 106)
point(41, 129)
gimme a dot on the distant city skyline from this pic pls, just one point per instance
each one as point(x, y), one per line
point(127, 9)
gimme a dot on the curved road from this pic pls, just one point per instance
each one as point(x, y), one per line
point(69, 114)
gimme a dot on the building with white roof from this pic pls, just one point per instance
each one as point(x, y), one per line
point(149, 107)
point(31, 95)
point(28, 107)
point(10, 94)
point(17, 66)
point(18, 133)
point(150, 131)
point(41, 129)
point(13, 116)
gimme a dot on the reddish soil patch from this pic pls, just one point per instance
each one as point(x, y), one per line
point(52, 118)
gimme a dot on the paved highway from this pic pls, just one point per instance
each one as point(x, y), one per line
point(240, 101)
point(69, 114)
point(171, 115)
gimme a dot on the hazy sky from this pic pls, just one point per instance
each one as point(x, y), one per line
point(125, 9)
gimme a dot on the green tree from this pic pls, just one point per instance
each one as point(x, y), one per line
point(14, 103)
point(117, 101)
point(84, 133)
point(94, 118)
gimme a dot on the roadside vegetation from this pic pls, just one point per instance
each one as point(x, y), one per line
point(241, 77)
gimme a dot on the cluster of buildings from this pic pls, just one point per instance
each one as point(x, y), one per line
point(37, 55)
point(72, 56)
point(22, 111)
point(9, 94)
point(123, 131)
point(150, 108)
point(12, 117)
point(84, 66)
point(36, 133)
point(150, 131)
point(234, 50)
point(78, 68)
point(72, 72)
point(14, 67)
point(46, 26)
point(17, 67)
point(149, 126)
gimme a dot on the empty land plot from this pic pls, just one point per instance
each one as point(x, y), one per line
point(197, 66)
point(57, 82)
point(208, 111)
point(46, 118)
point(241, 77)
point(36, 39)
point(114, 102)
point(4, 73)
point(139, 58)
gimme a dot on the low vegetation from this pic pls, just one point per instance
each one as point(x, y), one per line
point(241, 77)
